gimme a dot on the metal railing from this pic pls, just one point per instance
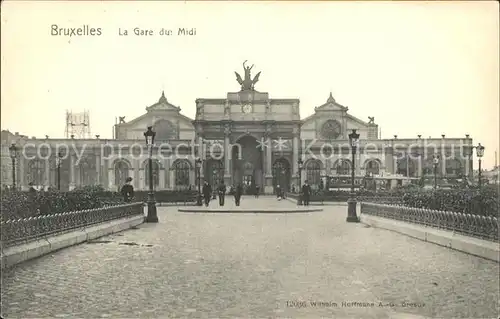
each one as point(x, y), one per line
point(17, 231)
point(484, 227)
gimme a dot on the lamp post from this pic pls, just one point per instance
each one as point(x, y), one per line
point(435, 163)
point(479, 153)
point(198, 162)
point(58, 164)
point(13, 156)
point(351, 202)
point(150, 138)
point(300, 165)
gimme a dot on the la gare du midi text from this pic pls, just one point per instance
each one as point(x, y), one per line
point(150, 32)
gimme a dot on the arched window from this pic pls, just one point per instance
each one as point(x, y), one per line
point(36, 172)
point(428, 167)
point(343, 167)
point(453, 167)
point(182, 170)
point(313, 172)
point(156, 173)
point(372, 167)
point(87, 171)
point(121, 172)
point(406, 167)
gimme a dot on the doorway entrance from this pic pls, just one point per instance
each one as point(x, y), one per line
point(281, 174)
point(247, 162)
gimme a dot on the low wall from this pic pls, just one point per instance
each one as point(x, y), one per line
point(470, 245)
point(11, 256)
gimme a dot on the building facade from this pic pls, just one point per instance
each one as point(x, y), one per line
point(244, 137)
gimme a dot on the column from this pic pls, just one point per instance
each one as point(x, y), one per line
point(131, 173)
point(166, 164)
point(71, 171)
point(136, 177)
point(171, 173)
point(161, 179)
point(192, 177)
point(389, 160)
point(419, 168)
point(442, 163)
point(47, 174)
point(268, 160)
point(295, 155)
point(357, 161)
point(201, 154)
point(269, 157)
point(98, 167)
point(111, 179)
point(20, 174)
point(227, 155)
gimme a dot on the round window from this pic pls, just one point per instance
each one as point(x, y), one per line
point(331, 129)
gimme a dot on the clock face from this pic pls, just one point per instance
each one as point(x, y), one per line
point(247, 108)
point(331, 129)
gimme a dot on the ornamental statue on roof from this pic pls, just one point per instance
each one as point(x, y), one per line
point(247, 84)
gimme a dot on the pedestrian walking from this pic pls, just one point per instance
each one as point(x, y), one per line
point(207, 193)
point(127, 190)
point(222, 193)
point(306, 193)
point(237, 194)
point(257, 191)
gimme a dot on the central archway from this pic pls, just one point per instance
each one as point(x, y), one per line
point(247, 162)
point(281, 174)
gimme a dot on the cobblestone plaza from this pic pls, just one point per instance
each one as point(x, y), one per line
point(310, 265)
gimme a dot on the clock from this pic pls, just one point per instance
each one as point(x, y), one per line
point(331, 129)
point(247, 108)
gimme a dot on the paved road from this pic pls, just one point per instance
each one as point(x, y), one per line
point(253, 265)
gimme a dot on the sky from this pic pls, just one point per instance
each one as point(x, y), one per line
point(426, 68)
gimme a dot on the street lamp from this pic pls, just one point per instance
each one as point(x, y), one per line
point(351, 202)
point(479, 153)
point(435, 163)
point(198, 163)
point(58, 164)
point(150, 138)
point(300, 165)
point(13, 156)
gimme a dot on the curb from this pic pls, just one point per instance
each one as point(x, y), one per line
point(344, 204)
point(470, 245)
point(23, 252)
point(250, 211)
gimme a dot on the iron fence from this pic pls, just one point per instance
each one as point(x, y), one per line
point(16, 231)
point(388, 200)
point(479, 226)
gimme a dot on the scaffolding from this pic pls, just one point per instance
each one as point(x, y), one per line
point(78, 125)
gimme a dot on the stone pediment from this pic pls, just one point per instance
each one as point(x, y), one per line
point(331, 105)
point(163, 105)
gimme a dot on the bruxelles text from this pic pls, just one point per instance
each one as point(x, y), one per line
point(312, 149)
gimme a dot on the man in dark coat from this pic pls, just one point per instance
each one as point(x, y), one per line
point(207, 193)
point(222, 193)
point(237, 194)
point(127, 190)
point(306, 193)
